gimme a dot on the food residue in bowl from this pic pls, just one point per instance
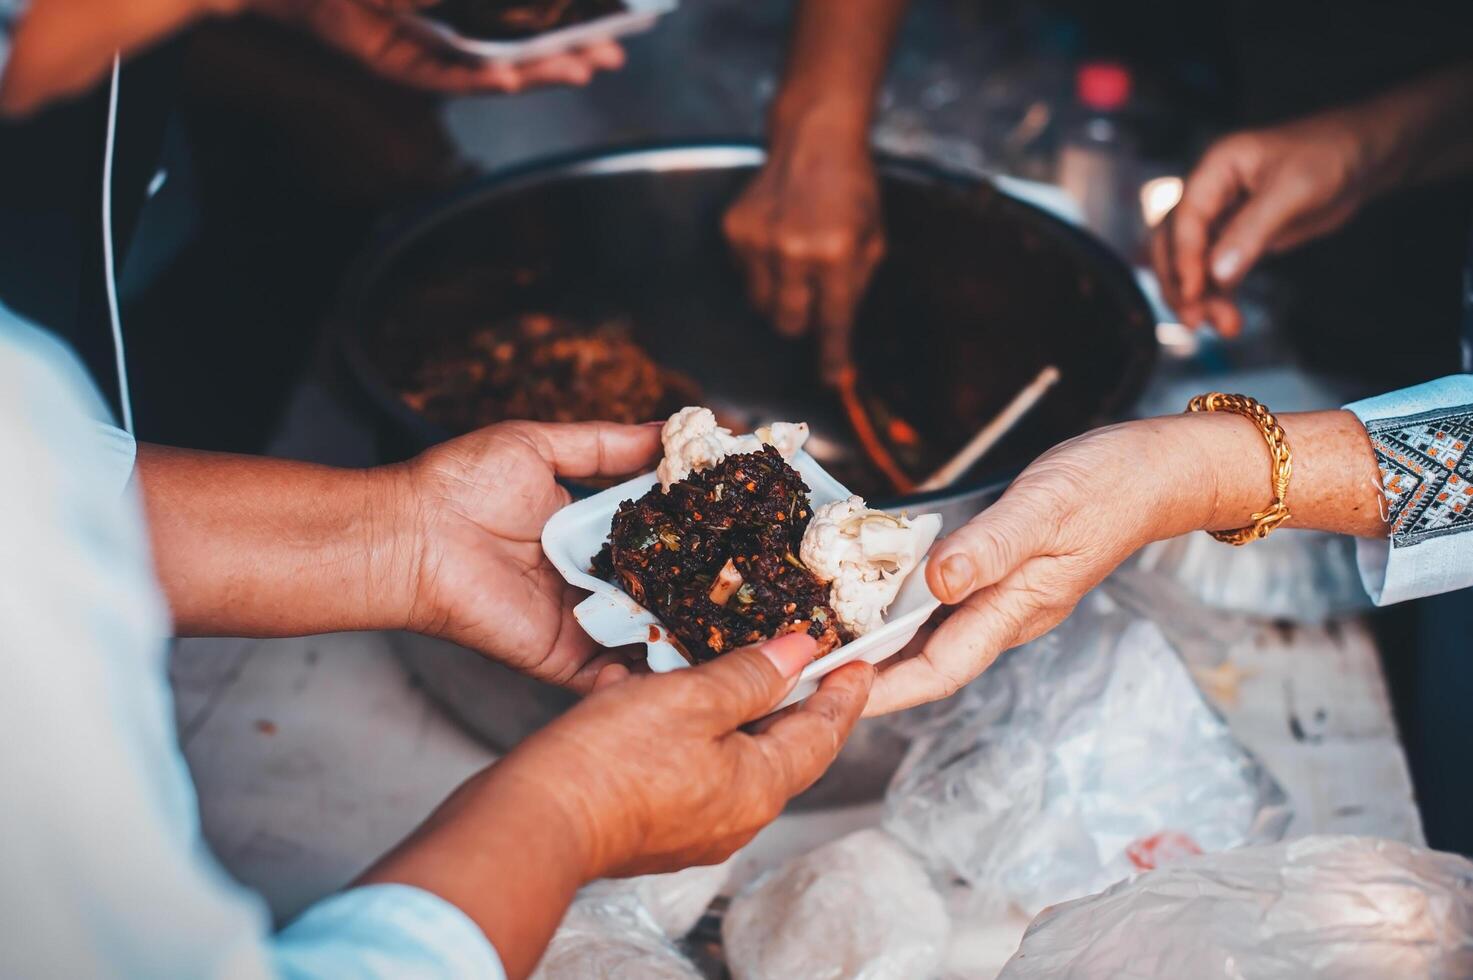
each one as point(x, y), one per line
point(546, 369)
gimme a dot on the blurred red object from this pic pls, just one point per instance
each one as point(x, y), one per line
point(1103, 86)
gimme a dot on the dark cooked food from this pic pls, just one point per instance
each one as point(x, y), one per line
point(547, 369)
point(716, 558)
point(510, 20)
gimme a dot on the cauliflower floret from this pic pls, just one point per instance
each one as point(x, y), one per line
point(896, 544)
point(786, 437)
point(865, 556)
point(860, 602)
point(828, 540)
point(693, 441)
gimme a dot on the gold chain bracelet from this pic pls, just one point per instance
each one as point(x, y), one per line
point(1254, 411)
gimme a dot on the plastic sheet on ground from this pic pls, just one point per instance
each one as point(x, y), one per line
point(860, 908)
point(1298, 576)
point(1317, 908)
point(608, 934)
point(1075, 761)
point(676, 901)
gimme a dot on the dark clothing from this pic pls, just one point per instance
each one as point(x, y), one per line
point(51, 167)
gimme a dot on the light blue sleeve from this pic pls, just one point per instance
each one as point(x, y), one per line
point(116, 454)
point(10, 11)
point(105, 872)
point(1423, 439)
point(385, 931)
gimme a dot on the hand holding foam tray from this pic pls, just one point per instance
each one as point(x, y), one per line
point(613, 618)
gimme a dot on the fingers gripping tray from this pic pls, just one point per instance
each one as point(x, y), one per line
point(612, 618)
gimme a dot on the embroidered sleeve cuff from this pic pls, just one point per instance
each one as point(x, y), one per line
point(386, 931)
point(1422, 438)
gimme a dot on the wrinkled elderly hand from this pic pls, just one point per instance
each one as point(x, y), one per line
point(372, 32)
point(661, 763)
point(1018, 568)
point(808, 235)
point(471, 513)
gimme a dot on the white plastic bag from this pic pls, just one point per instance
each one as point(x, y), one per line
point(859, 908)
point(1317, 908)
point(608, 934)
point(1075, 761)
point(676, 901)
point(1301, 577)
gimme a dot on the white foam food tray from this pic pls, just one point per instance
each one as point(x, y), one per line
point(575, 534)
point(637, 16)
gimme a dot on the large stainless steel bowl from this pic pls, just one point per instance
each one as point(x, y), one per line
point(978, 292)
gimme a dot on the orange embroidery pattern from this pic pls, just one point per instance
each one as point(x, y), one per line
point(1426, 473)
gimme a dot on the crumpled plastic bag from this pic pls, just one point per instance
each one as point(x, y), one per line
point(1075, 761)
point(677, 900)
point(1301, 577)
point(608, 934)
point(859, 908)
point(1316, 908)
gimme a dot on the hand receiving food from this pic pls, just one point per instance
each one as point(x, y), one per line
point(651, 773)
point(473, 510)
point(662, 761)
point(373, 32)
point(807, 233)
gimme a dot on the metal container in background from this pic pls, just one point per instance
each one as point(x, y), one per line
point(977, 293)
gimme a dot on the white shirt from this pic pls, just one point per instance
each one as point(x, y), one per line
point(103, 870)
